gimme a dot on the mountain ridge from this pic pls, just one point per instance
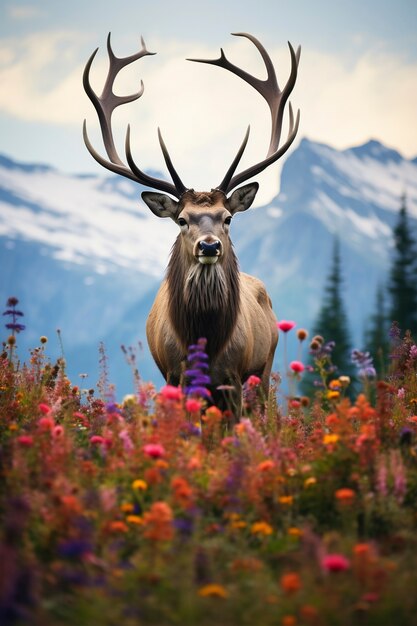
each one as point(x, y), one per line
point(83, 254)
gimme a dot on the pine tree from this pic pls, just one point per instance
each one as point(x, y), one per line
point(376, 336)
point(403, 284)
point(332, 323)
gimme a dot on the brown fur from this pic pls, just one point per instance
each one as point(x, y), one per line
point(230, 309)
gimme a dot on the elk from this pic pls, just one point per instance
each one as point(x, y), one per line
point(204, 294)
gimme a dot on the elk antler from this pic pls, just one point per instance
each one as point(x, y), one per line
point(276, 100)
point(105, 105)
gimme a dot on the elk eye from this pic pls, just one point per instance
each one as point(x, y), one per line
point(182, 222)
point(228, 220)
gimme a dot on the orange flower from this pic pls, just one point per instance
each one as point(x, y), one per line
point(158, 522)
point(288, 500)
point(261, 528)
point(212, 416)
point(290, 583)
point(182, 491)
point(345, 495)
point(265, 466)
point(117, 526)
point(213, 591)
point(288, 620)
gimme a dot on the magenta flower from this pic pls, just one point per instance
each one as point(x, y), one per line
point(297, 367)
point(97, 439)
point(335, 563)
point(169, 392)
point(253, 381)
point(154, 450)
point(192, 405)
point(286, 325)
point(25, 440)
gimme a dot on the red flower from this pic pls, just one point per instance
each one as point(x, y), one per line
point(335, 563)
point(285, 325)
point(253, 381)
point(297, 367)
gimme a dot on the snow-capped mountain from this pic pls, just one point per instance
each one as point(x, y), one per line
point(83, 254)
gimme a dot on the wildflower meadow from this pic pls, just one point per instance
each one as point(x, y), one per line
point(161, 509)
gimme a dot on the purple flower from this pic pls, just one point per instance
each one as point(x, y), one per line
point(196, 372)
point(13, 313)
point(364, 363)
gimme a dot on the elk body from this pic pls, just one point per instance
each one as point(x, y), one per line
point(204, 294)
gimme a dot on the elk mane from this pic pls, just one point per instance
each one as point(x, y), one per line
point(204, 300)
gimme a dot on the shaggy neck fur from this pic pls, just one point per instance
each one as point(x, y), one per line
point(204, 300)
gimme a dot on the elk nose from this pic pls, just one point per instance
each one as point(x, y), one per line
point(209, 249)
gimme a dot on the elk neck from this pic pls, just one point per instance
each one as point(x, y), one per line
point(204, 300)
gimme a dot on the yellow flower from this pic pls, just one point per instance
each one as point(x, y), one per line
point(135, 519)
point(13, 426)
point(213, 591)
point(139, 485)
point(261, 528)
point(293, 531)
point(330, 438)
point(332, 395)
point(286, 500)
point(310, 481)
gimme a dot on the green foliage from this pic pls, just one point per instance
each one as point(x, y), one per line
point(403, 275)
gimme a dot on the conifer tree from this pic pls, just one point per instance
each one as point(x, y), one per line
point(402, 283)
point(376, 336)
point(332, 322)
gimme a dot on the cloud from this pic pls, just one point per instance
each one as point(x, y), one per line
point(23, 11)
point(204, 111)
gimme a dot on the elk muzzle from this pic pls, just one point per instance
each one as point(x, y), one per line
point(208, 252)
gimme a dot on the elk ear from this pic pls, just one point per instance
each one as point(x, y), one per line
point(242, 198)
point(160, 204)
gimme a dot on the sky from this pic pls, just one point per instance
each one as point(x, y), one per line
point(357, 79)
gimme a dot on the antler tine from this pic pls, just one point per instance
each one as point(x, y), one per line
point(262, 165)
point(105, 104)
point(226, 180)
point(275, 98)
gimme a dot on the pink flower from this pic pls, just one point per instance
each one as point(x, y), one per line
point(253, 381)
point(285, 325)
point(297, 367)
point(154, 450)
point(44, 408)
point(57, 431)
point(46, 423)
point(169, 392)
point(96, 439)
point(192, 405)
point(335, 563)
point(25, 440)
